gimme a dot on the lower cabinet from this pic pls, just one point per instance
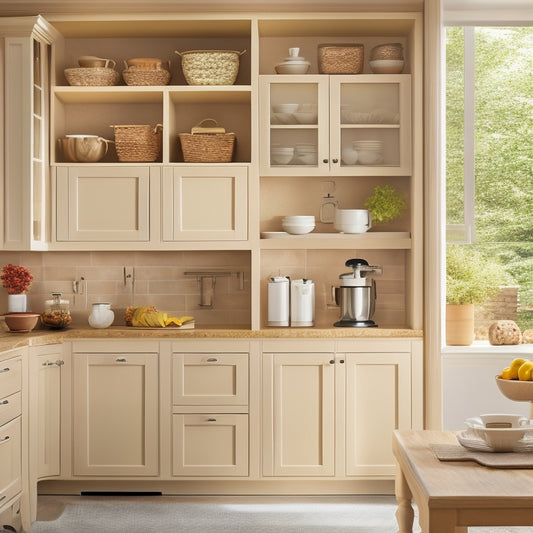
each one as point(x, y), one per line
point(115, 414)
point(210, 394)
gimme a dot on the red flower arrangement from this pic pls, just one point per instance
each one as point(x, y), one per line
point(16, 279)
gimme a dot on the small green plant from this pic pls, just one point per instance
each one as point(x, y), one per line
point(385, 204)
point(471, 278)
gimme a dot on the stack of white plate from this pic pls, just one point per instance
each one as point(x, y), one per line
point(306, 154)
point(369, 152)
point(498, 433)
point(298, 224)
point(281, 155)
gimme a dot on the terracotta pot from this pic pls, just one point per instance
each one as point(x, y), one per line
point(459, 325)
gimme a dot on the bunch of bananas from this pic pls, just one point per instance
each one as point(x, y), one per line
point(521, 369)
point(150, 317)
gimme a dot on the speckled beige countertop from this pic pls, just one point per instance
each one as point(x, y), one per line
point(9, 340)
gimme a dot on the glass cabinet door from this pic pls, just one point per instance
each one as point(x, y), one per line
point(295, 125)
point(370, 124)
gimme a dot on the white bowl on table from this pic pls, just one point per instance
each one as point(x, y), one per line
point(298, 224)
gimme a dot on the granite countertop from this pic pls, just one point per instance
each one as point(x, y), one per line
point(10, 340)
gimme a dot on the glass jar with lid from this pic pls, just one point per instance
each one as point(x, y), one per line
point(57, 313)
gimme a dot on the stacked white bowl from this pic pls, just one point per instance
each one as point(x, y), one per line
point(369, 152)
point(281, 155)
point(298, 224)
point(352, 220)
point(306, 153)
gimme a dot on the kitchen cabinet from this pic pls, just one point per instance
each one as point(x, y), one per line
point(205, 203)
point(299, 414)
point(342, 110)
point(27, 53)
point(332, 413)
point(101, 203)
point(115, 413)
point(11, 445)
point(210, 394)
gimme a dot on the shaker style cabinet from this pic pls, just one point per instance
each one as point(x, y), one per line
point(103, 203)
point(210, 414)
point(332, 115)
point(115, 413)
point(205, 203)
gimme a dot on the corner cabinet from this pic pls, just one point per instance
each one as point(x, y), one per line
point(115, 413)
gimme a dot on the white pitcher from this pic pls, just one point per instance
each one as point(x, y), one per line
point(102, 316)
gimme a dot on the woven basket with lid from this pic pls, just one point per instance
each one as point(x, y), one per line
point(340, 58)
point(207, 143)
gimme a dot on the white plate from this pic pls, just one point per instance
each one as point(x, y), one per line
point(471, 442)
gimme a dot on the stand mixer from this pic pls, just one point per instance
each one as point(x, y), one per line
point(356, 296)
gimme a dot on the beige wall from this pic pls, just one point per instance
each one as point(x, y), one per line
point(158, 280)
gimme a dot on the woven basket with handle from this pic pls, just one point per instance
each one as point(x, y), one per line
point(207, 143)
point(138, 142)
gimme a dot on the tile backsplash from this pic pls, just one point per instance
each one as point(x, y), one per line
point(157, 278)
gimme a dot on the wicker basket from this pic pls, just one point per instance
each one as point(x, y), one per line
point(92, 76)
point(138, 142)
point(387, 51)
point(340, 58)
point(210, 67)
point(207, 144)
point(146, 76)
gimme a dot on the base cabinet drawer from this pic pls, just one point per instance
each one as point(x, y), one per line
point(10, 408)
point(10, 377)
point(10, 460)
point(10, 519)
point(210, 445)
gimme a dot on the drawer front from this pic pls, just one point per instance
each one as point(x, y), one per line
point(10, 460)
point(11, 517)
point(210, 379)
point(210, 445)
point(10, 377)
point(10, 407)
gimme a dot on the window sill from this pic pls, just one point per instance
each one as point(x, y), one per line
point(484, 347)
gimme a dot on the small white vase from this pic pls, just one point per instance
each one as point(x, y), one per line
point(17, 303)
point(101, 316)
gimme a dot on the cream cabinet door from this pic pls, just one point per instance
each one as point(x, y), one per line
point(46, 367)
point(210, 379)
point(115, 414)
point(103, 203)
point(299, 414)
point(210, 444)
point(205, 203)
point(378, 401)
point(10, 459)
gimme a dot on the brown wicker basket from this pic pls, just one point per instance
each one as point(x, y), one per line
point(92, 76)
point(340, 58)
point(146, 76)
point(387, 51)
point(138, 142)
point(210, 67)
point(207, 143)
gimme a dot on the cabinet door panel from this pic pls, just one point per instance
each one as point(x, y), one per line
point(299, 434)
point(210, 445)
point(205, 203)
point(103, 203)
point(210, 379)
point(10, 376)
point(10, 460)
point(378, 400)
point(115, 414)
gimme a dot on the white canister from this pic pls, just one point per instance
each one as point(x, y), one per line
point(101, 316)
point(278, 301)
point(302, 303)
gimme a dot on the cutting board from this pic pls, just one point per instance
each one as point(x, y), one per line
point(456, 452)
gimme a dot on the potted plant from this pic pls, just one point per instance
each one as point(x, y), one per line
point(385, 204)
point(17, 280)
point(471, 279)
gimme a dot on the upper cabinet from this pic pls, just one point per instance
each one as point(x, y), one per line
point(320, 125)
point(27, 51)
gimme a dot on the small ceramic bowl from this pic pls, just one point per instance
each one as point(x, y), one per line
point(387, 66)
point(21, 322)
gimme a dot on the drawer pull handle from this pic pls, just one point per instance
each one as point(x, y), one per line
point(211, 419)
point(2, 498)
point(121, 360)
point(48, 363)
point(7, 369)
point(5, 439)
point(212, 359)
point(5, 402)
point(59, 362)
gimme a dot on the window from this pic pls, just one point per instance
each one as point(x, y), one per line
point(489, 151)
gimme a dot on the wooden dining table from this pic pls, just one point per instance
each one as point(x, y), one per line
point(454, 494)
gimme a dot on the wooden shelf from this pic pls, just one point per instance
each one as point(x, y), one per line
point(336, 241)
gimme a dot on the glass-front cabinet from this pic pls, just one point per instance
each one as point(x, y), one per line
point(335, 125)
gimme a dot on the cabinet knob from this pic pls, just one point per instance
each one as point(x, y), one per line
point(325, 160)
point(6, 369)
point(211, 419)
point(341, 361)
point(332, 361)
point(5, 402)
point(335, 160)
point(5, 439)
point(48, 363)
point(60, 362)
point(120, 359)
point(212, 359)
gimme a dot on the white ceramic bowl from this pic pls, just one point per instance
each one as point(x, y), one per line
point(293, 67)
point(349, 156)
point(352, 220)
point(297, 229)
point(83, 148)
point(281, 155)
point(500, 432)
point(369, 157)
point(299, 219)
point(387, 66)
point(285, 108)
point(306, 117)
